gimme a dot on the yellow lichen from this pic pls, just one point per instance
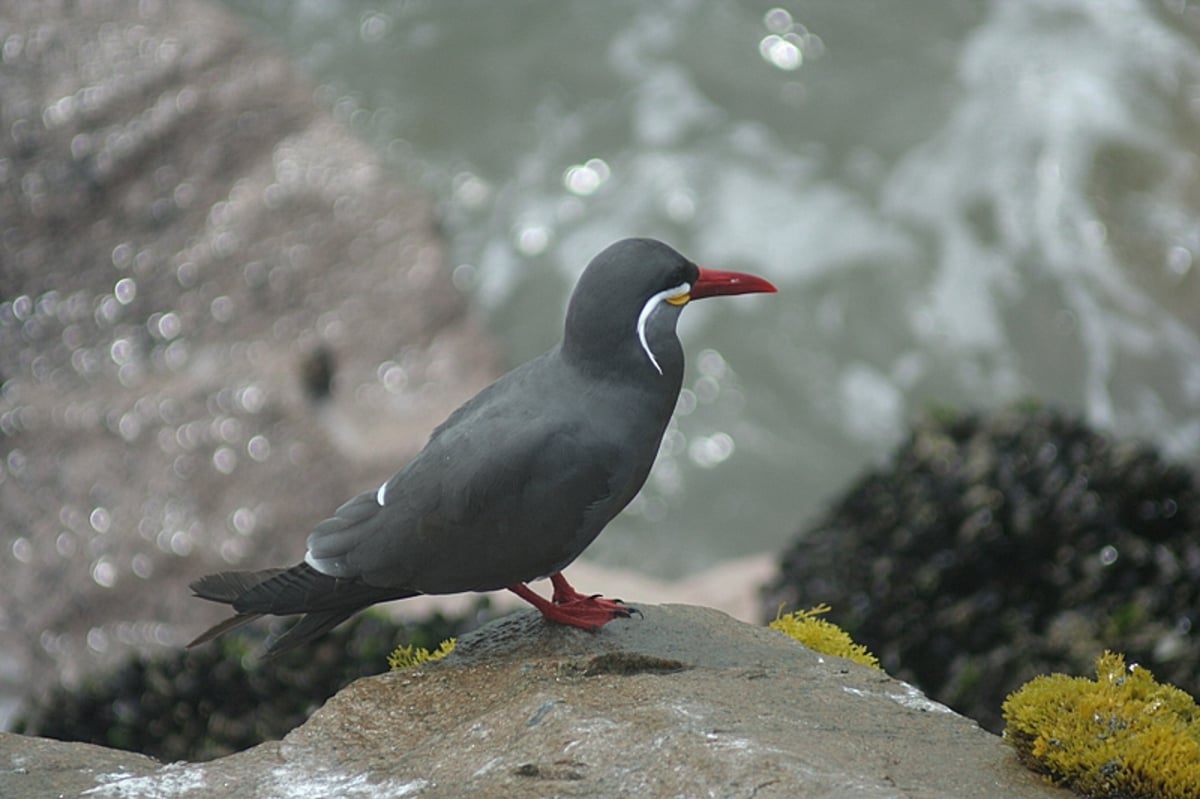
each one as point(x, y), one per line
point(1123, 735)
point(407, 656)
point(822, 636)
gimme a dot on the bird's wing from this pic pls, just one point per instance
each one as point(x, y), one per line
point(359, 519)
point(523, 509)
point(474, 515)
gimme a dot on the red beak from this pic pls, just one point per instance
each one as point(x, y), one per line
point(715, 283)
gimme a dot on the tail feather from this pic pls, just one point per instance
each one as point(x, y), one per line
point(303, 589)
point(312, 625)
point(227, 587)
point(326, 601)
point(232, 623)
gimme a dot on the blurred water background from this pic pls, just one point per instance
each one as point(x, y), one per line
point(963, 204)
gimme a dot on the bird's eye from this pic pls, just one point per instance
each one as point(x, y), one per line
point(683, 274)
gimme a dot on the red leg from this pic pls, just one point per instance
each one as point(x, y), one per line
point(564, 594)
point(572, 608)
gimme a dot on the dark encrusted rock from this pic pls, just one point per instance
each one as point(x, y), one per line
point(203, 703)
point(995, 548)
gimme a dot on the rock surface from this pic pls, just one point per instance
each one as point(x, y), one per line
point(683, 701)
point(218, 319)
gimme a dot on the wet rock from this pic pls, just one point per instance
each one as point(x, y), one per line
point(218, 318)
point(517, 711)
point(995, 548)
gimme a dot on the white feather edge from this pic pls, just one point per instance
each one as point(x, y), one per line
point(648, 309)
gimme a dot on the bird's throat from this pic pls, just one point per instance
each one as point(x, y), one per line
point(656, 304)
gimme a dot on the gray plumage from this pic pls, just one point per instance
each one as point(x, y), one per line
point(517, 482)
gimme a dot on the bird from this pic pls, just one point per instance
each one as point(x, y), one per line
point(516, 483)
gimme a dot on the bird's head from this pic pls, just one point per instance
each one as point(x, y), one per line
point(623, 311)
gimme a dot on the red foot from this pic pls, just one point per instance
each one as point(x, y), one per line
point(570, 607)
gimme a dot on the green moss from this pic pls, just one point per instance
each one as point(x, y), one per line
point(404, 657)
point(1125, 619)
point(1029, 405)
point(1124, 735)
point(941, 414)
point(822, 636)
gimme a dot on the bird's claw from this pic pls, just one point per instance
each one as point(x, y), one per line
point(568, 606)
point(613, 599)
point(591, 612)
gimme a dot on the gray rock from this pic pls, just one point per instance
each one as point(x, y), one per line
point(219, 317)
point(684, 701)
point(38, 768)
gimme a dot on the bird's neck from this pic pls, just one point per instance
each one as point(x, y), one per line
point(627, 392)
point(657, 363)
point(642, 348)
